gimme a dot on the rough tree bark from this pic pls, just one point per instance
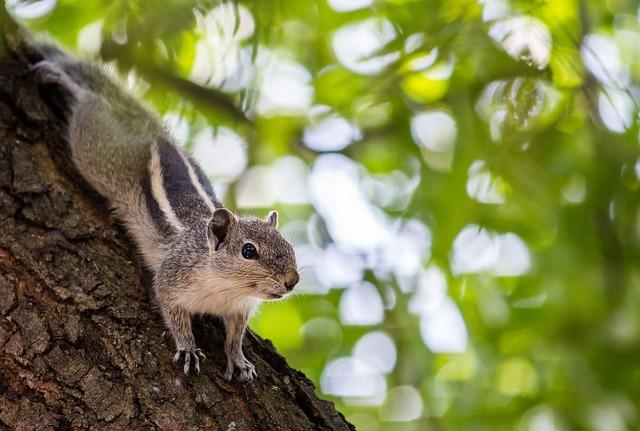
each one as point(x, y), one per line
point(81, 345)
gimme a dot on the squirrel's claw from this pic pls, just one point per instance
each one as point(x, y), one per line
point(228, 374)
point(247, 371)
point(187, 362)
point(188, 354)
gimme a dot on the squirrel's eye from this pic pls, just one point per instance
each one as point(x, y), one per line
point(249, 251)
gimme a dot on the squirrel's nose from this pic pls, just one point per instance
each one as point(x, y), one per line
point(289, 284)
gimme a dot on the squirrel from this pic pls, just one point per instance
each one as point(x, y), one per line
point(203, 258)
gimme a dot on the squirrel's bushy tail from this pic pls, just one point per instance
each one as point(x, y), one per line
point(110, 136)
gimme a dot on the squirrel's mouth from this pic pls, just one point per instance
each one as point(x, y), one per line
point(270, 296)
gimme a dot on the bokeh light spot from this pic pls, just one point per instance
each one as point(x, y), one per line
point(402, 404)
point(435, 132)
point(377, 350)
point(355, 45)
point(443, 330)
point(361, 304)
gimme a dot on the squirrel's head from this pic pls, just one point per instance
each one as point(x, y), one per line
point(251, 254)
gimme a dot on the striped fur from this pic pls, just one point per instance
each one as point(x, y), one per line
point(180, 194)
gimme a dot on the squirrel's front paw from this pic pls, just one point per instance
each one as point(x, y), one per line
point(190, 352)
point(246, 369)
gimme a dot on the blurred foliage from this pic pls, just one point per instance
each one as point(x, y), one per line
point(498, 137)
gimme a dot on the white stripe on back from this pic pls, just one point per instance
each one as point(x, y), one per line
point(157, 188)
point(196, 182)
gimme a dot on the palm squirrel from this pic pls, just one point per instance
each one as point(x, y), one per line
point(203, 258)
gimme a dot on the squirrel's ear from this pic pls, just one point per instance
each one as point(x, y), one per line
point(220, 225)
point(272, 219)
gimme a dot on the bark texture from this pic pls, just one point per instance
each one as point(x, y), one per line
point(81, 344)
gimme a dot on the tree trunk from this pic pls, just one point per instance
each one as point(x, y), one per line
point(81, 343)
